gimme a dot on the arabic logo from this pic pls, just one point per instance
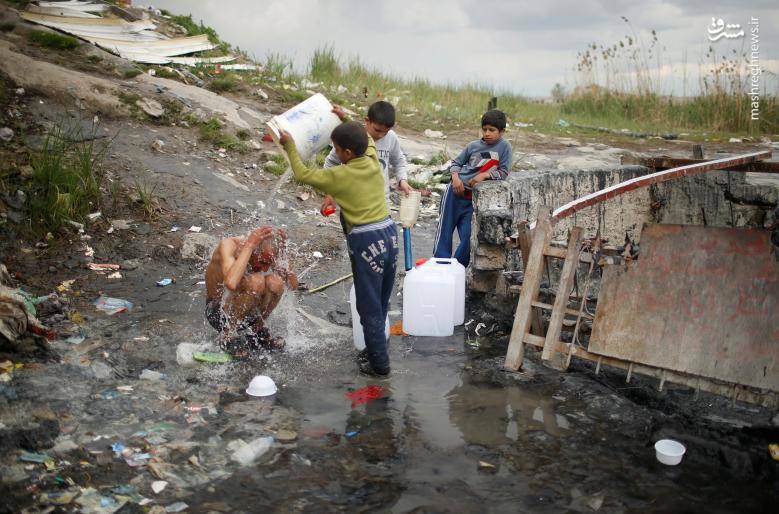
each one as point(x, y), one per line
point(719, 29)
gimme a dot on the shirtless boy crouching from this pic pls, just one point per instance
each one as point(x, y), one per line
point(244, 283)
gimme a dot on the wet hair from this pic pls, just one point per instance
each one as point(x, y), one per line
point(495, 118)
point(351, 136)
point(383, 113)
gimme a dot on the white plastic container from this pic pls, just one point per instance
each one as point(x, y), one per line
point(310, 124)
point(428, 301)
point(357, 333)
point(453, 267)
point(669, 452)
point(409, 208)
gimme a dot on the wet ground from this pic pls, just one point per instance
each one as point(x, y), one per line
point(451, 431)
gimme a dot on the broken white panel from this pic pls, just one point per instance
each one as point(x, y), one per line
point(105, 26)
point(77, 6)
point(194, 61)
point(241, 67)
point(151, 51)
point(60, 11)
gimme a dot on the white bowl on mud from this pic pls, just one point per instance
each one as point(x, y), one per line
point(669, 452)
point(261, 385)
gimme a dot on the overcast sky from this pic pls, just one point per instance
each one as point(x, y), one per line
point(525, 47)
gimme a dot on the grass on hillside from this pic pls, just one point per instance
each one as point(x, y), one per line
point(67, 177)
point(52, 40)
point(212, 132)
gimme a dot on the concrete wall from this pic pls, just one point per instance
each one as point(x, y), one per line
point(718, 198)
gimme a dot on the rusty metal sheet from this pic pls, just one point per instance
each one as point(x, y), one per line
point(699, 300)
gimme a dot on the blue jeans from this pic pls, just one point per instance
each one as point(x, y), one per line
point(373, 249)
point(455, 213)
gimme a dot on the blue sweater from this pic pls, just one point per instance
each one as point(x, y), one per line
point(478, 157)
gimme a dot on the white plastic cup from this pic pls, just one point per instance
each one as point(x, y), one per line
point(261, 385)
point(669, 452)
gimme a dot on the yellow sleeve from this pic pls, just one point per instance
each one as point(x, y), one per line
point(326, 180)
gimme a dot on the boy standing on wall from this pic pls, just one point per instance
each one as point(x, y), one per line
point(488, 158)
point(357, 185)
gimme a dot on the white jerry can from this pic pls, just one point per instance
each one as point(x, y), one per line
point(454, 267)
point(428, 301)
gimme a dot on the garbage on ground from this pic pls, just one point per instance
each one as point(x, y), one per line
point(37, 458)
point(176, 507)
point(366, 394)
point(486, 466)
point(18, 315)
point(77, 338)
point(102, 267)
point(563, 123)
point(195, 228)
point(286, 436)
point(115, 275)
point(669, 452)
point(396, 329)
point(164, 282)
point(212, 357)
point(261, 385)
point(94, 216)
point(434, 134)
point(149, 374)
point(773, 449)
point(158, 486)
point(121, 224)
point(65, 285)
point(246, 453)
point(317, 255)
point(92, 501)
point(113, 306)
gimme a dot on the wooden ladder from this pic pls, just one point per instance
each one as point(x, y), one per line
point(535, 249)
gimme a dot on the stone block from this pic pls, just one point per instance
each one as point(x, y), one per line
point(488, 257)
point(482, 281)
point(494, 226)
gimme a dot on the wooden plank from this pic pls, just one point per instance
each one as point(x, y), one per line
point(555, 251)
point(664, 162)
point(523, 239)
point(564, 288)
point(570, 312)
point(533, 272)
point(699, 300)
point(752, 395)
point(534, 340)
point(653, 178)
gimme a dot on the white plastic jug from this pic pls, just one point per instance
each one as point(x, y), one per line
point(428, 302)
point(454, 267)
point(310, 124)
point(357, 333)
